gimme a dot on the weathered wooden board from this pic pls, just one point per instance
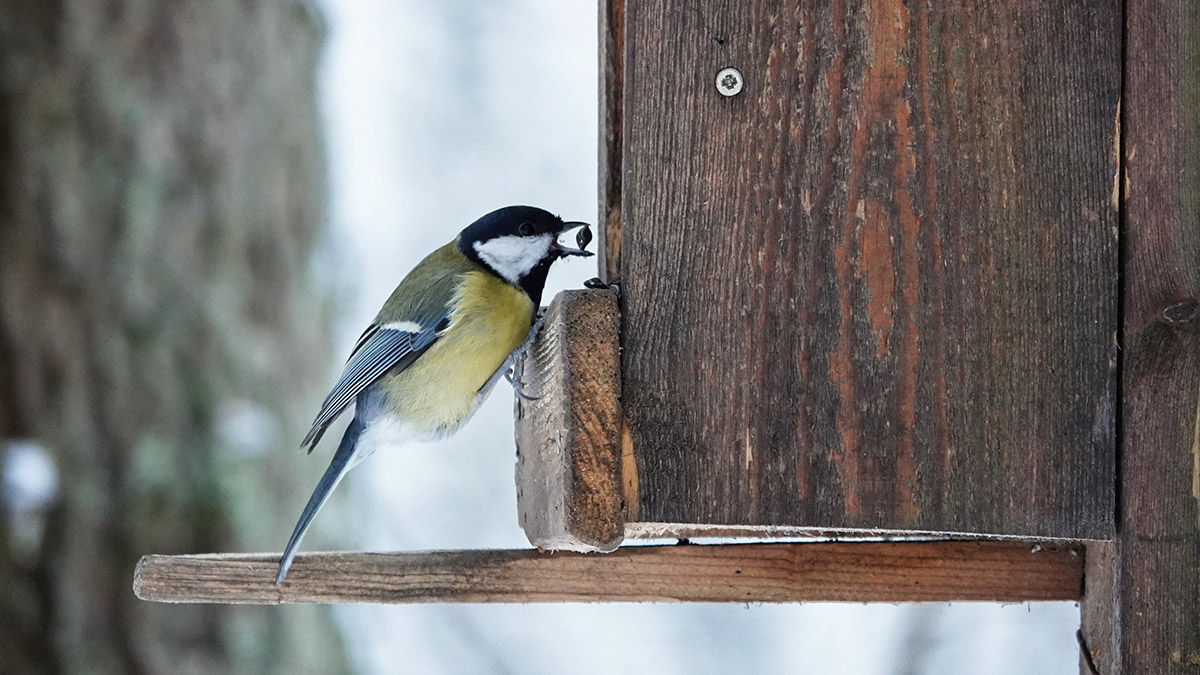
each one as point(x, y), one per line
point(878, 287)
point(1142, 610)
point(941, 571)
point(569, 431)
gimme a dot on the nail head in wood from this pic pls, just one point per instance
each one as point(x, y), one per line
point(730, 81)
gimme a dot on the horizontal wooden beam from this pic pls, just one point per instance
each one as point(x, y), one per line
point(943, 571)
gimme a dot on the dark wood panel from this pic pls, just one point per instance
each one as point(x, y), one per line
point(569, 432)
point(1142, 615)
point(612, 84)
point(941, 571)
point(877, 288)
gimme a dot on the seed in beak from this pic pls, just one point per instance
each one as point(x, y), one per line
point(583, 237)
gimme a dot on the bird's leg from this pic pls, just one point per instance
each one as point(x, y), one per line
point(517, 359)
point(518, 370)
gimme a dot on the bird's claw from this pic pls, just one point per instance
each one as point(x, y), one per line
point(596, 283)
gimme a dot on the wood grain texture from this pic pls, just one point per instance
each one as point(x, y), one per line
point(612, 84)
point(1147, 617)
point(569, 438)
point(1098, 610)
point(841, 572)
point(877, 288)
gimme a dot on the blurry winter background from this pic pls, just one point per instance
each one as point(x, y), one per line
point(203, 203)
point(437, 112)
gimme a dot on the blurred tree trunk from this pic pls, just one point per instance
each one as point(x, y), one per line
point(160, 205)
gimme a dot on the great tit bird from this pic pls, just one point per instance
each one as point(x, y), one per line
point(443, 339)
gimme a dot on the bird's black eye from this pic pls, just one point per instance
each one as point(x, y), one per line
point(525, 229)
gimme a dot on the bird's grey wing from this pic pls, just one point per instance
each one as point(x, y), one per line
point(381, 348)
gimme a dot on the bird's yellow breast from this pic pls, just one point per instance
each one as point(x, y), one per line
point(442, 389)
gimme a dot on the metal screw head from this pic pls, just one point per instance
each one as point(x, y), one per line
point(729, 82)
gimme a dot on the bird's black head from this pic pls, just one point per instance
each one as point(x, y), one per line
point(518, 244)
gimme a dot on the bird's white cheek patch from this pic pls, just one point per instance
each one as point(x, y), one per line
point(511, 256)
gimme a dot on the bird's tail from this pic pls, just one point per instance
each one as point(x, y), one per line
point(342, 462)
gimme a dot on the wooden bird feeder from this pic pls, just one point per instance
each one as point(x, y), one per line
point(930, 273)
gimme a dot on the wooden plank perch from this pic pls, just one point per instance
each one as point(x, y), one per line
point(569, 437)
point(943, 571)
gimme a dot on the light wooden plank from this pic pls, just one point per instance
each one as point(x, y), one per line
point(785, 572)
point(569, 435)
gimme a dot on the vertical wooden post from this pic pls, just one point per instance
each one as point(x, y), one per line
point(1140, 611)
point(612, 86)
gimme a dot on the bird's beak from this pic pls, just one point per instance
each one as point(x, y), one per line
point(582, 239)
